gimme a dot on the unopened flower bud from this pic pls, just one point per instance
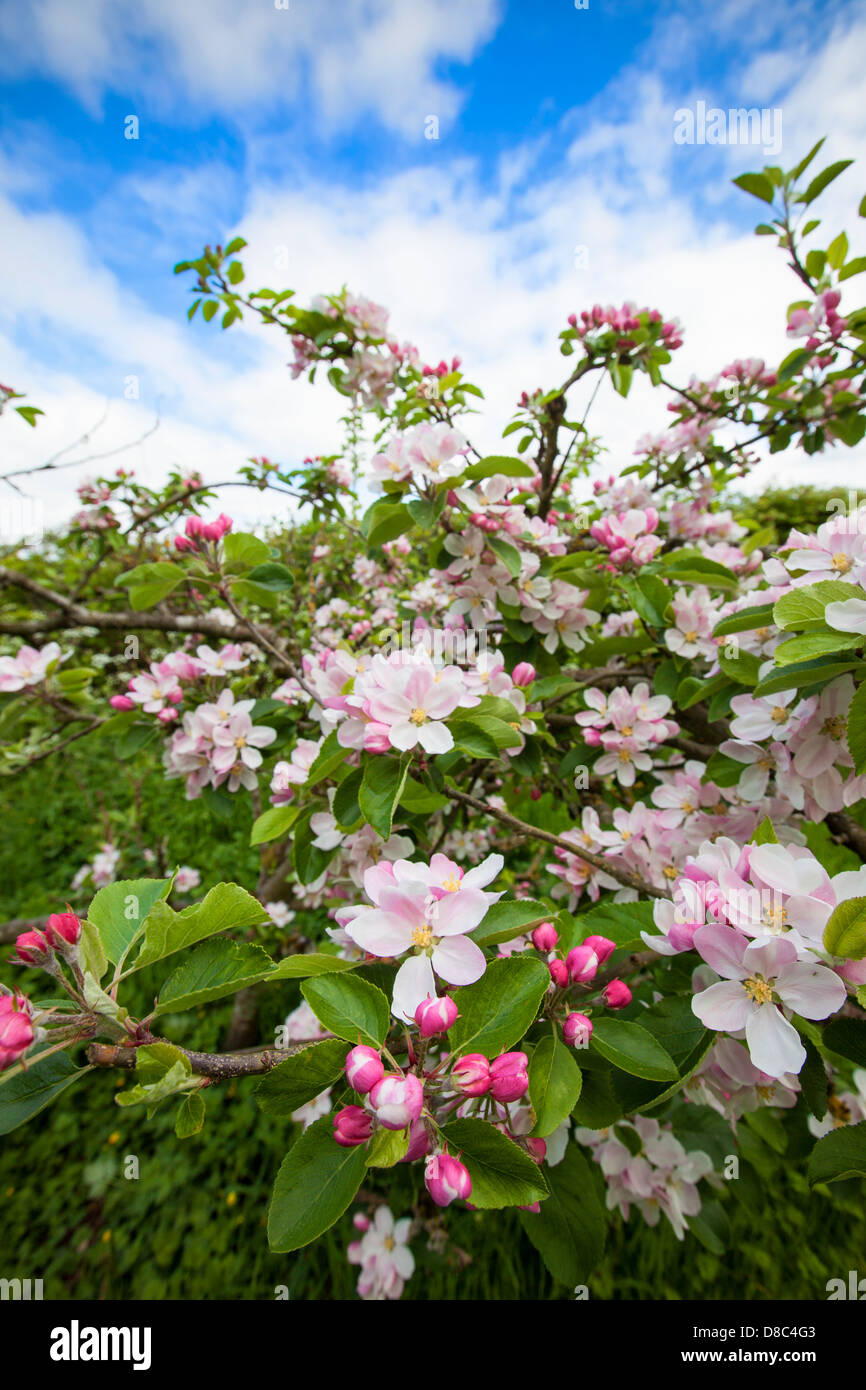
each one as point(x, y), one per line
point(446, 1179)
point(536, 1148)
point(582, 964)
point(523, 673)
point(16, 1028)
point(32, 948)
point(545, 937)
point(509, 1079)
point(121, 702)
point(63, 930)
point(419, 1142)
point(397, 1100)
point(435, 1016)
point(577, 1030)
point(602, 945)
point(352, 1125)
point(363, 1069)
point(616, 994)
point(558, 972)
point(471, 1074)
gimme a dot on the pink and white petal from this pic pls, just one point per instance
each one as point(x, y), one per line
point(722, 948)
point(774, 1043)
point(435, 738)
point(811, 990)
point(724, 1007)
point(413, 983)
point(460, 912)
point(380, 933)
point(483, 873)
point(458, 960)
point(768, 955)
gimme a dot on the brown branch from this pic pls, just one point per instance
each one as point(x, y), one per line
point(597, 861)
point(851, 833)
point(73, 614)
point(219, 1066)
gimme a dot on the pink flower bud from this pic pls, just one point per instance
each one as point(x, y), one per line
point(435, 1015)
point(471, 1074)
point(536, 1148)
point(577, 1030)
point(582, 964)
point(419, 1142)
point(16, 1029)
point(616, 994)
point(360, 1221)
point(32, 948)
point(352, 1126)
point(63, 929)
point(523, 673)
point(558, 972)
point(446, 1179)
point(508, 1076)
point(602, 945)
point(194, 527)
point(121, 702)
point(167, 715)
point(397, 1100)
point(364, 1068)
point(545, 937)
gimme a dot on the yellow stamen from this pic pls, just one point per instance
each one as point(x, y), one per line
point(758, 990)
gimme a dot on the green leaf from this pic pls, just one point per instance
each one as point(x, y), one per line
point(191, 1116)
point(28, 1092)
point(273, 823)
point(554, 1084)
point(820, 182)
point(304, 967)
point(807, 160)
point(273, 576)
point(241, 550)
point(381, 789)
point(502, 1174)
point(845, 932)
point(419, 800)
point(316, 1182)
point(619, 922)
point(149, 584)
point(302, 1077)
point(387, 1147)
point(569, 1229)
point(841, 1154)
point(813, 1081)
point(215, 968)
point(815, 672)
point(498, 1009)
point(507, 553)
point(385, 521)
point(119, 912)
point(847, 1038)
point(743, 667)
point(633, 1049)
point(227, 907)
point(254, 593)
point(804, 607)
point(758, 185)
point(495, 464)
point(329, 757)
point(505, 920)
point(765, 833)
point(350, 1007)
point(810, 645)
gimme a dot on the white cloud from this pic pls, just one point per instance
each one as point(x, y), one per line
point(490, 275)
point(341, 59)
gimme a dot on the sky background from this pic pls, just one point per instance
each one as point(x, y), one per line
point(304, 129)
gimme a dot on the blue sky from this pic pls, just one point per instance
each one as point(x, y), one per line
point(304, 129)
